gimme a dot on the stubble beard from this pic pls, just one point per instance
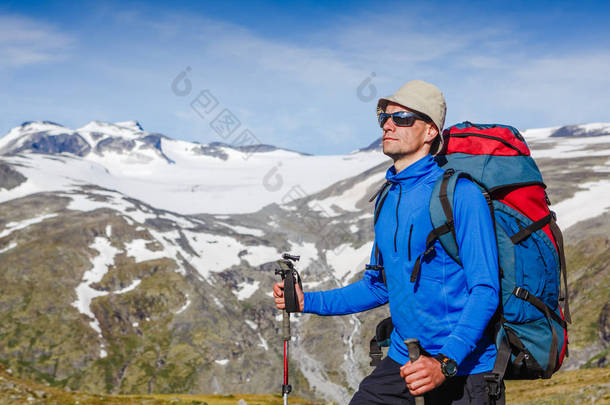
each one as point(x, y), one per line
point(393, 151)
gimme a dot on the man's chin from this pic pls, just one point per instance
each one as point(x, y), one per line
point(391, 153)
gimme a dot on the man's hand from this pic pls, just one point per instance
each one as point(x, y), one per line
point(278, 294)
point(422, 375)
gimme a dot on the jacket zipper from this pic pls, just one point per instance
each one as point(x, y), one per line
point(397, 205)
point(410, 232)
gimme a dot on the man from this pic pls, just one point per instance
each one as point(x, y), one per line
point(448, 306)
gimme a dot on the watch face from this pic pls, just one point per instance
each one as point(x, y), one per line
point(450, 367)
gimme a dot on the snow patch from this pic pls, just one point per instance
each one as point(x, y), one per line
point(258, 255)
point(213, 253)
point(15, 226)
point(251, 324)
point(180, 221)
point(222, 362)
point(348, 199)
point(11, 245)
point(185, 306)
point(307, 251)
point(347, 261)
point(244, 230)
point(130, 287)
point(263, 342)
point(568, 147)
point(245, 290)
point(312, 284)
point(84, 292)
point(112, 200)
point(138, 250)
point(594, 200)
point(217, 302)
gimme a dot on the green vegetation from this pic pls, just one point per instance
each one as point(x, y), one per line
point(589, 386)
point(589, 282)
point(565, 388)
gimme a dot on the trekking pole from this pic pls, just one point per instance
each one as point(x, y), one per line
point(414, 352)
point(290, 276)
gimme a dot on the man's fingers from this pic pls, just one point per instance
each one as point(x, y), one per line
point(278, 295)
point(419, 383)
point(404, 369)
point(409, 368)
point(278, 291)
point(423, 389)
point(416, 376)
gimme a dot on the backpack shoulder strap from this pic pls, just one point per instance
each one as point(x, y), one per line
point(441, 213)
point(441, 210)
point(381, 194)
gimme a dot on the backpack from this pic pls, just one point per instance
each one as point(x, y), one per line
point(530, 326)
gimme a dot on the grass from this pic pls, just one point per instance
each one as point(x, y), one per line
point(574, 387)
point(586, 386)
point(20, 391)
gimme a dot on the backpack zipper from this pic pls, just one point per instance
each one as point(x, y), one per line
point(495, 138)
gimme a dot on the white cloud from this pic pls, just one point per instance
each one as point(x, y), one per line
point(25, 41)
point(299, 91)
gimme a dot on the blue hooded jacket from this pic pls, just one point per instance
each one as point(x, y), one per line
point(449, 306)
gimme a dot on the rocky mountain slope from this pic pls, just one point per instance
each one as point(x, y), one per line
point(103, 291)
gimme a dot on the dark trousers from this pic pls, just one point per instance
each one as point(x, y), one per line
point(384, 386)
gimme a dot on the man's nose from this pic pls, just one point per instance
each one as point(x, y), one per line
point(389, 125)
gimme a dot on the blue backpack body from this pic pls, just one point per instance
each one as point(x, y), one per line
point(530, 328)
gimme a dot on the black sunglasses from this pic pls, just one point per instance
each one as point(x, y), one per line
point(402, 118)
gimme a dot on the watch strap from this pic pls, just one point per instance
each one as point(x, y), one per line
point(446, 365)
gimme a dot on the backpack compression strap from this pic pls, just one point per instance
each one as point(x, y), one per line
point(563, 293)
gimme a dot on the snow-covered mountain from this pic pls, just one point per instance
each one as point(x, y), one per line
point(176, 175)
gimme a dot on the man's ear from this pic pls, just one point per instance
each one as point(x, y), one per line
point(431, 133)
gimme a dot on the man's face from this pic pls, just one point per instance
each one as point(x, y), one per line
point(401, 142)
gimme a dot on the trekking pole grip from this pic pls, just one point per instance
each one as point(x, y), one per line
point(414, 353)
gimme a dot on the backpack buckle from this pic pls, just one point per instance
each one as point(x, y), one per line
point(494, 385)
point(375, 353)
point(521, 293)
point(428, 251)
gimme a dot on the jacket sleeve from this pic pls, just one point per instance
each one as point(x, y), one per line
point(478, 252)
point(369, 292)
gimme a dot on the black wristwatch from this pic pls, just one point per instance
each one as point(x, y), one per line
point(448, 366)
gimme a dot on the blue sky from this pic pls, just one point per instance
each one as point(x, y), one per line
point(290, 72)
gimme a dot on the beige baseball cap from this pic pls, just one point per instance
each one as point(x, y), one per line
point(422, 97)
